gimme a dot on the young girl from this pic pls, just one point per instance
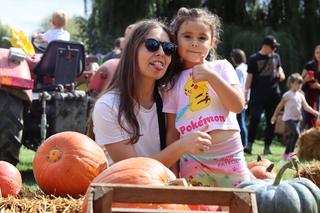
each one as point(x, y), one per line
point(292, 101)
point(125, 117)
point(205, 93)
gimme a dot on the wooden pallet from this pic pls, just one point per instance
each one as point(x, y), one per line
point(101, 197)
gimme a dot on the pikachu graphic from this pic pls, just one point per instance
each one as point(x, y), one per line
point(198, 94)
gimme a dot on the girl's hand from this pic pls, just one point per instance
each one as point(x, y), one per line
point(201, 72)
point(197, 142)
point(273, 119)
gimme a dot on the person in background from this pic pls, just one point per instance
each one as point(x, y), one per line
point(125, 117)
point(311, 87)
point(292, 101)
point(238, 59)
point(116, 51)
point(204, 94)
point(264, 74)
point(58, 20)
point(105, 72)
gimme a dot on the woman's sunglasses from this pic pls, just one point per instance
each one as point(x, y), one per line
point(153, 45)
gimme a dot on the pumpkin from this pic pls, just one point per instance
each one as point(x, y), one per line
point(262, 172)
point(138, 170)
point(66, 163)
point(294, 196)
point(259, 162)
point(10, 179)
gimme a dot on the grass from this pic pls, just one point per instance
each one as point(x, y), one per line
point(27, 155)
point(25, 167)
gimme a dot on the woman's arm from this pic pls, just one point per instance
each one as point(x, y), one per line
point(308, 108)
point(120, 150)
point(195, 143)
point(172, 136)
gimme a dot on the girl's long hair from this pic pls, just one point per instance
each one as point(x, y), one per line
point(125, 80)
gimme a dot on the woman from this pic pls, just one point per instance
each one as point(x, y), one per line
point(311, 87)
point(125, 119)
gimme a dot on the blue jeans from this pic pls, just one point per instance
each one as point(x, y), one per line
point(241, 117)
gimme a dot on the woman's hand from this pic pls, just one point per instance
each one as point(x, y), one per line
point(197, 142)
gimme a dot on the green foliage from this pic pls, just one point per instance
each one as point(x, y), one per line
point(4, 33)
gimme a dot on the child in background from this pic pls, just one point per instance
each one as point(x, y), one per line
point(292, 101)
point(205, 94)
point(239, 59)
point(58, 21)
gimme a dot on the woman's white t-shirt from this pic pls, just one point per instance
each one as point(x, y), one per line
point(107, 130)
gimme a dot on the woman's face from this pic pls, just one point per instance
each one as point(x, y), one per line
point(153, 65)
point(317, 54)
point(194, 41)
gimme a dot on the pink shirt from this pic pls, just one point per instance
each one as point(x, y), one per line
point(293, 105)
point(197, 104)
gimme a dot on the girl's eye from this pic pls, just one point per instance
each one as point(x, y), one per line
point(203, 38)
point(187, 36)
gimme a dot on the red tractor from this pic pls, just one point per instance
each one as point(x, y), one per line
point(36, 103)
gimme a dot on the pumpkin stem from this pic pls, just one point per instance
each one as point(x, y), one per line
point(259, 158)
point(269, 168)
point(293, 162)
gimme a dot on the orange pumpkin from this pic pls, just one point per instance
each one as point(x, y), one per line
point(138, 170)
point(262, 172)
point(259, 162)
point(66, 163)
point(10, 179)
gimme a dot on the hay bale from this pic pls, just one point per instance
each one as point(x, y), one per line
point(310, 170)
point(309, 145)
point(30, 202)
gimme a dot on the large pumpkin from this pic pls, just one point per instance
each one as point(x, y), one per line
point(10, 179)
point(294, 196)
point(139, 170)
point(66, 163)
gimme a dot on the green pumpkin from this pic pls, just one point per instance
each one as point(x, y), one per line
point(299, 195)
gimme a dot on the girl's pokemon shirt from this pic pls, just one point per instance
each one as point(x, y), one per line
point(197, 104)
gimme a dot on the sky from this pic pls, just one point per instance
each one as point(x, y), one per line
point(27, 15)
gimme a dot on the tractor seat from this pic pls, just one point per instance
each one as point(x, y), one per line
point(61, 62)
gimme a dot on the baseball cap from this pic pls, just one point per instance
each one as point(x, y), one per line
point(271, 41)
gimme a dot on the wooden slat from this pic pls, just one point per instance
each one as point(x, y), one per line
point(105, 194)
point(118, 210)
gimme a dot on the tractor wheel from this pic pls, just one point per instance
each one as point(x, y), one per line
point(11, 127)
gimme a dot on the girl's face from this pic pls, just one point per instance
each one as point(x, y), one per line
point(317, 54)
point(153, 65)
point(295, 86)
point(194, 41)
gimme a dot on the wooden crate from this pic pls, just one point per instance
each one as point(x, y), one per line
point(101, 197)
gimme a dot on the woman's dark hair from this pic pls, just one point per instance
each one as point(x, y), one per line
point(238, 56)
point(125, 80)
point(314, 51)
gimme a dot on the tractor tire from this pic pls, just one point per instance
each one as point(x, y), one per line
point(11, 127)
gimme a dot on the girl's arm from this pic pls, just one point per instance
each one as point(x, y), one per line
point(231, 96)
point(277, 110)
point(172, 136)
point(308, 108)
